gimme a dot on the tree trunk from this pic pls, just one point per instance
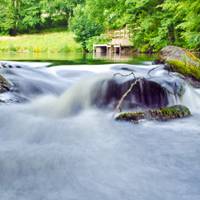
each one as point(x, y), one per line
point(171, 34)
point(16, 9)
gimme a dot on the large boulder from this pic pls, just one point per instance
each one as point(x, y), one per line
point(182, 61)
point(162, 114)
point(170, 53)
point(4, 85)
point(145, 94)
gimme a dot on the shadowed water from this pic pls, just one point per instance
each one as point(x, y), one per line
point(56, 145)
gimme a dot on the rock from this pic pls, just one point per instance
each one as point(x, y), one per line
point(8, 66)
point(162, 114)
point(4, 85)
point(130, 116)
point(157, 62)
point(168, 113)
point(195, 83)
point(176, 53)
point(145, 94)
point(182, 61)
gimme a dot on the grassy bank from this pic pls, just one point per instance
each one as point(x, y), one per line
point(52, 42)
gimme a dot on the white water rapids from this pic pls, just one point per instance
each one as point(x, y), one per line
point(49, 151)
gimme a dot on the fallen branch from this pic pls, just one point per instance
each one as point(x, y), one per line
point(149, 72)
point(132, 73)
point(118, 107)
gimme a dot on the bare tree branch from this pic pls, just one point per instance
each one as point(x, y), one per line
point(119, 105)
point(119, 74)
point(149, 72)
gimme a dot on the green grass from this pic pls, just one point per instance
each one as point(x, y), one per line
point(46, 42)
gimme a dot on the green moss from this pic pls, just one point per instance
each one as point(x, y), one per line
point(162, 114)
point(185, 69)
point(168, 113)
point(130, 116)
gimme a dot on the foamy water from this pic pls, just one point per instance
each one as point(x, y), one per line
point(51, 151)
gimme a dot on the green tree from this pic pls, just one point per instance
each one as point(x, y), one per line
point(23, 16)
point(84, 26)
point(9, 16)
point(153, 23)
point(191, 22)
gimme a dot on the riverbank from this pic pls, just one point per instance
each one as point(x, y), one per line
point(47, 42)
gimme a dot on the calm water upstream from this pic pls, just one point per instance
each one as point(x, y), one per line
point(57, 145)
point(75, 58)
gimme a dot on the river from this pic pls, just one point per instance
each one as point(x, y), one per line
point(56, 145)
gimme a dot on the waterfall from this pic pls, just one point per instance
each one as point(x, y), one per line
point(64, 92)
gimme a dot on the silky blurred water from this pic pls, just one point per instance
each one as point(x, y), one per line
point(49, 152)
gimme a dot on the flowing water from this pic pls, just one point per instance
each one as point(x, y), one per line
point(56, 145)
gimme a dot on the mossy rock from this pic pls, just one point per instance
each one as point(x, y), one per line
point(182, 61)
point(169, 113)
point(4, 85)
point(162, 114)
point(130, 116)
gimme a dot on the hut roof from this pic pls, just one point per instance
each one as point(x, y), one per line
point(124, 42)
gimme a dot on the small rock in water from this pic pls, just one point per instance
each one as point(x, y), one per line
point(4, 85)
point(162, 114)
point(8, 66)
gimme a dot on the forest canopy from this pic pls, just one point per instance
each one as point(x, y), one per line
point(153, 23)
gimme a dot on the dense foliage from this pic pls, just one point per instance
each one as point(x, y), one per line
point(84, 26)
point(153, 23)
point(23, 16)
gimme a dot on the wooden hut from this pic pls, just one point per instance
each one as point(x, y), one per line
point(120, 44)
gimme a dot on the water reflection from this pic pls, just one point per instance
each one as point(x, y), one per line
point(42, 56)
point(116, 57)
point(77, 57)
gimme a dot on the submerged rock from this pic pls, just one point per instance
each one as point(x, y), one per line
point(8, 65)
point(182, 61)
point(4, 85)
point(162, 114)
point(145, 94)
